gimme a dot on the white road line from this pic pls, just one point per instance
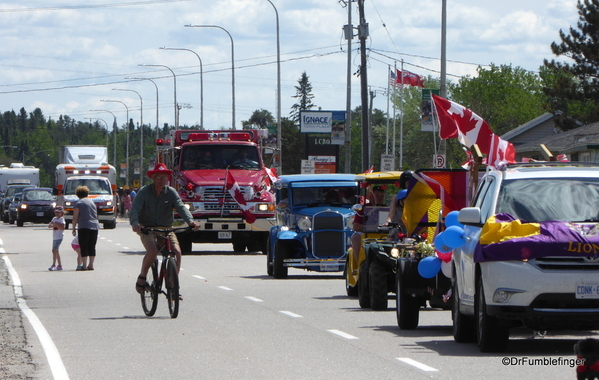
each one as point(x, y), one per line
point(342, 334)
point(56, 365)
point(199, 277)
point(254, 299)
point(225, 288)
point(418, 365)
point(290, 314)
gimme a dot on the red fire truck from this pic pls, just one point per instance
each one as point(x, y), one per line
point(202, 162)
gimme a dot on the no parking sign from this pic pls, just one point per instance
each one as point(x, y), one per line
point(439, 161)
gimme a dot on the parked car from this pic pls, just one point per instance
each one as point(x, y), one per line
point(12, 208)
point(530, 253)
point(314, 217)
point(36, 206)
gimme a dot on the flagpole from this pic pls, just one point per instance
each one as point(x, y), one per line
point(394, 109)
point(388, 95)
point(401, 121)
point(222, 207)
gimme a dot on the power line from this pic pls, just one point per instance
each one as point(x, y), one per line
point(89, 6)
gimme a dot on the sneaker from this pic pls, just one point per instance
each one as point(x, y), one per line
point(79, 267)
point(52, 268)
point(59, 267)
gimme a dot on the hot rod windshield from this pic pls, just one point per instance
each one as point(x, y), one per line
point(325, 195)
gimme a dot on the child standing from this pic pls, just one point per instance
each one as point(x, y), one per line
point(77, 248)
point(57, 224)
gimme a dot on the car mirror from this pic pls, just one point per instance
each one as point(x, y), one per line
point(470, 216)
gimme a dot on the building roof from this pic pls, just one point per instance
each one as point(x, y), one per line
point(526, 126)
point(582, 138)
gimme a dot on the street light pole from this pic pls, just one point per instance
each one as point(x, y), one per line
point(201, 82)
point(105, 123)
point(175, 92)
point(232, 65)
point(279, 131)
point(127, 133)
point(114, 129)
point(141, 133)
point(155, 85)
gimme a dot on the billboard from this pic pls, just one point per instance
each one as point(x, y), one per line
point(329, 122)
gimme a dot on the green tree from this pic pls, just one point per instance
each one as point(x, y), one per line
point(292, 145)
point(259, 119)
point(304, 96)
point(573, 87)
point(504, 96)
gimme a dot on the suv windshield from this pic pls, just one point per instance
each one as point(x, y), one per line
point(38, 195)
point(541, 200)
point(314, 196)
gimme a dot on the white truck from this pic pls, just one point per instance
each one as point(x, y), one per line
point(13, 179)
point(87, 166)
point(531, 253)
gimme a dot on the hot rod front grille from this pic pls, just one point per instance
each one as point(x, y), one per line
point(327, 244)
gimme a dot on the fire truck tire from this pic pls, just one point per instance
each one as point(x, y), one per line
point(185, 243)
point(239, 246)
point(378, 286)
point(254, 245)
point(279, 270)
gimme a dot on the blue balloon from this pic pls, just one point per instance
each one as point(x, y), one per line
point(429, 267)
point(440, 244)
point(452, 219)
point(454, 237)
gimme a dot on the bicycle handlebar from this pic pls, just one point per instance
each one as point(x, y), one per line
point(147, 230)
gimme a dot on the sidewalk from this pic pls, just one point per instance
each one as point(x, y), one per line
point(15, 361)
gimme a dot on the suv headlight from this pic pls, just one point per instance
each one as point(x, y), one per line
point(304, 223)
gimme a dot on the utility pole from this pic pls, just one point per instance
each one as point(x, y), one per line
point(349, 35)
point(363, 34)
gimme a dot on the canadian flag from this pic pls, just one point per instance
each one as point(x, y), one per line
point(501, 153)
point(408, 78)
point(458, 121)
point(237, 194)
point(371, 170)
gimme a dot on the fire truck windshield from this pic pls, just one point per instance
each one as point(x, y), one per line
point(220, 157)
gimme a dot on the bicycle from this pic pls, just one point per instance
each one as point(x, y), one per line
point(168, 274)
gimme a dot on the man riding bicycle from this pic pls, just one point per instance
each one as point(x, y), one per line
point(153, 207)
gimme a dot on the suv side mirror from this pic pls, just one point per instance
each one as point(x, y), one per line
point(470, 216)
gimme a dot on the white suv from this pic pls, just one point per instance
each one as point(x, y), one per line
point(546, 278)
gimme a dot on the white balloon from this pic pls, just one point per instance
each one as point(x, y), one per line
point(446, 269)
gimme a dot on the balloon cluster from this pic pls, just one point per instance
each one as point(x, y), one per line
point(445, 242)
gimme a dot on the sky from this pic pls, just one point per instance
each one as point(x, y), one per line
point(65, 57)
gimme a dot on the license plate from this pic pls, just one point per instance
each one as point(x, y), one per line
point(587, 290)
point(329, 268)
point(225, 235)
point(40, 214)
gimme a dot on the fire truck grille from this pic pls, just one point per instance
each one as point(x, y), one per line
point(214, 198)
point(328, 243)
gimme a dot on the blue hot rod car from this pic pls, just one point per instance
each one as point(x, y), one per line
point(314, 220)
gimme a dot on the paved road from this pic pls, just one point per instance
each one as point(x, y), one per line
point(235, 322)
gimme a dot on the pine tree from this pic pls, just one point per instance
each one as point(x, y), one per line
point(305, 96)
point(573, 88)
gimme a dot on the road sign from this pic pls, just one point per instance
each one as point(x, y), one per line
point(439, 161)
point(387, 163)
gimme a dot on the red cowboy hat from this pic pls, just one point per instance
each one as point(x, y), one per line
point(159, 169)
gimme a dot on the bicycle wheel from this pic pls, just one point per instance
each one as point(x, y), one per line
point(149, 298)
point(172, 287)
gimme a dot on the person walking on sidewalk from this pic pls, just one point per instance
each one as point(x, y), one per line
point(57, 224)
